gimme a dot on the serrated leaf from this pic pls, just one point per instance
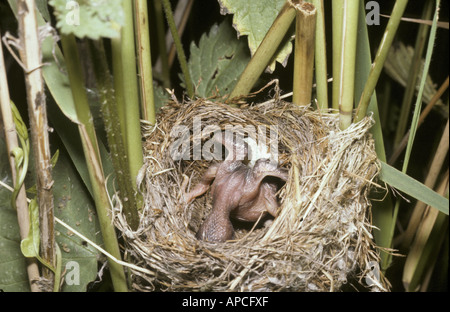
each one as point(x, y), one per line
point(89, 18)
point(218, 60)
point(161, 97)
point(253, 18)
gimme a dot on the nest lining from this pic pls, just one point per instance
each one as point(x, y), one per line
point(322, 233)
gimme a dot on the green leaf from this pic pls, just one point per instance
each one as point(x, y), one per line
point(382, 208)
point(217, 61)
point(30, 244)
point(253, 18)
point(412, 187)
point(70, 136)
point(425, 249)
point(161, 97)
point(57, 81)
point(74, 206)
point(89, 18)
point(54, 71)
point(13, 274)
point(43, 8)
point(56, 78)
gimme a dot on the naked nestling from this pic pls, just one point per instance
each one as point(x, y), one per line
point(238, 190)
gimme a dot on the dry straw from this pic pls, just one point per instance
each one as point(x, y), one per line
point(320, 238)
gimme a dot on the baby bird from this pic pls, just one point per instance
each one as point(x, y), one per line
point(239, 191)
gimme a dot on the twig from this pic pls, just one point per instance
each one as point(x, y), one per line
point(31, 58)
point(304, 53)
point(421, 21)
point(163, 67)
point(84, 238)
point(181, 14)
point(266, 50)
point(11, 144)
point(111, 257)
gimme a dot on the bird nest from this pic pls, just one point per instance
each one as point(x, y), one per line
point(320, 238)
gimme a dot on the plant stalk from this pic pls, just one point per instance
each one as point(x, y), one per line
point(162, 49)
point(418, 107)
point(12, 143)
point(348, 55)
point(413, 74)
point(112, 128)
point(321, 57)
point(422, 117)
point(181, 16)
point(133, 142)
point(429, 237)
point(32, 61)
point(380, 58)
point(144, 61)
point(337, 23)
point(117, 67)
point(304, 53)
point(266, 50)
point(430, 181)
point(180, 52)
point(92, 155)
point(382, 207)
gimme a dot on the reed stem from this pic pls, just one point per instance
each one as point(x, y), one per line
point(305, 27)
point(321, 57)
point(179, 47)
point(144, 61)
point(380, 58)
point(348, 56)
point(112, 129)
point(31, 57)
point(337, 23)
point(266, 50)
point(12, 143)
point(416, 62)
point(133, 142)
point(92, 155)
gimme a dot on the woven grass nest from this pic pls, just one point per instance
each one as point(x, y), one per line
point(320, 238)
